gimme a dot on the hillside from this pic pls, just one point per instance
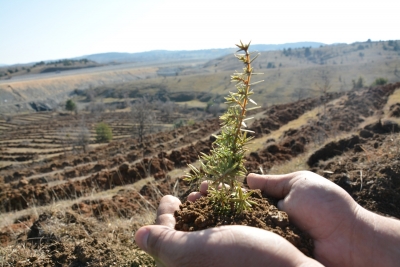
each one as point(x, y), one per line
point(165, 55)
point(84, 205)
point(20, 70)
point(289, 74)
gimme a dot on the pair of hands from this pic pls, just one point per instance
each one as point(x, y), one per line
point(339, 227)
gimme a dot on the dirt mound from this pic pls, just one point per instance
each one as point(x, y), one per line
point(93, 245)
point(105, 175)
point(129, 203)
point(395, 110)
point(278, 115)
point(333, 149)
point(369, 172)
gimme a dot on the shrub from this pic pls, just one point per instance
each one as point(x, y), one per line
point(380, 81)
point(179, 124)
point(144, 117)
point(70, 105)
point(359, 83)
point(190, 122)
point(103, 133)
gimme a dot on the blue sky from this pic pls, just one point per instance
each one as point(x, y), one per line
point(35, 30)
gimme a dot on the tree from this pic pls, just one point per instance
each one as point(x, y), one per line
point(300, 93)
point(143, 117)
point(82, 137)
point(103, 133)
point(70, 105)
point(96, 108)
point(359, 84)
point(326, 83)
point(271, 65)
point(380, 81)
point(90, 95)
point(75, 137)
point(214, 109)
point(323, 89)
point(166, 109)
point(307, 52)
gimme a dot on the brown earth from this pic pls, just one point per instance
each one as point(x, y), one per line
point(200, 215)
point(95, 231)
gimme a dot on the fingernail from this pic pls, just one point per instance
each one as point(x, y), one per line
point(142, 235)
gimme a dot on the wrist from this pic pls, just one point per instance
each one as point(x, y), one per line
point(378, 240)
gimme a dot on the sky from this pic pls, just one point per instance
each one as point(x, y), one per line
point(36, 30)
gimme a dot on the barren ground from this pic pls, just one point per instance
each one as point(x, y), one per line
point(60, 208)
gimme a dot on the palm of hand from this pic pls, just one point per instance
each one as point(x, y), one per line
point(318, 207)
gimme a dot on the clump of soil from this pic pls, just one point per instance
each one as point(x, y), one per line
point(200, 215)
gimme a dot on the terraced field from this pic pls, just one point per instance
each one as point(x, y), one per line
point(86, 199)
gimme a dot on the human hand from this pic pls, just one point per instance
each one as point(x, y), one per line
point(344, 233)
point(221, 246)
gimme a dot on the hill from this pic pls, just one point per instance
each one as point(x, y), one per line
point(290, 73)
point(165, 55)
point(22, 70)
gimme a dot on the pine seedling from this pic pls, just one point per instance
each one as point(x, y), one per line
point(224, 166)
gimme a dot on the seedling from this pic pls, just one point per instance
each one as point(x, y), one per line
point(225, 164)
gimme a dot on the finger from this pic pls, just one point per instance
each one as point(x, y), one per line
point(166, 209)
point(152, 237)
point(163, 243)
point(192, 197)
point(204, 187)
point(277, 186)
point(168, 204)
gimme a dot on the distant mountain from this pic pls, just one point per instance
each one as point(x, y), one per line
point(271, 47)
point(166, 55)
point(158, 55)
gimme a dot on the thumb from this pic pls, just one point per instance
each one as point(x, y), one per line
point(220, 246)
point(161, 242)
point(277, 186)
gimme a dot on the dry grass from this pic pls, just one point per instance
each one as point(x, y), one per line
point(255, 144)
point(393, 99)
point(296, 164)
point(32, 150)
point(193, 104)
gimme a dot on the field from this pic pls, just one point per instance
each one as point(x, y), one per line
point(67, 204)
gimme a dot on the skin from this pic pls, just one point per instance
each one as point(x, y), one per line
point(344, 233)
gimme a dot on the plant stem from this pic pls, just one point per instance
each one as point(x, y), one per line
point(243, 106)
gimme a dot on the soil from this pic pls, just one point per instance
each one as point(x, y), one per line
point(96, 227)
point(200, 215)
